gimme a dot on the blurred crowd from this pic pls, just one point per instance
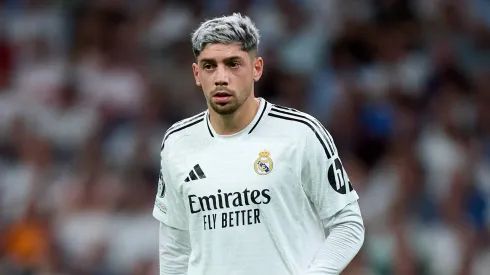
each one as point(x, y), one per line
point(88, 89)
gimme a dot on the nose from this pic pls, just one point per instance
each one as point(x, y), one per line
point(221, 77)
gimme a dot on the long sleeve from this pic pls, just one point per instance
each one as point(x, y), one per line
point(174, 250)
point(346, 236)
point(327, 185)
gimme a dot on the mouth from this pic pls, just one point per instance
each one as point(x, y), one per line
point(221, 94)
point(221, 97)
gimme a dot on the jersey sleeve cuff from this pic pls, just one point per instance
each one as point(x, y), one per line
point(328, 213)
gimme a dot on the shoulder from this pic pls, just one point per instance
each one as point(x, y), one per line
point(304, 126)
point(187, 126)
point(302, 123)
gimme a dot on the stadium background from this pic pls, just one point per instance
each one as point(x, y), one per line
point(88, 88)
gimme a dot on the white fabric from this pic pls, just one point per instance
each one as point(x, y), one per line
point(244, 222)
point(174, 248)
point(345, 238)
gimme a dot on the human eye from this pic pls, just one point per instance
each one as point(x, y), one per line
point(208, 66)
point(235, 64)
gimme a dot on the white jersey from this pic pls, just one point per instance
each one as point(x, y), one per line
point(253, 202)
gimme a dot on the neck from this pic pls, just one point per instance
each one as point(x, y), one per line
point(234, 123)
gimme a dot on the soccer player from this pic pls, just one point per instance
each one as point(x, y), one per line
point(249, 187)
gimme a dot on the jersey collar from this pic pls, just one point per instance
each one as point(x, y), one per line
point(251, 127)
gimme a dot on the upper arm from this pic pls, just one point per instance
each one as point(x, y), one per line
point(169, 205)
point(350, 215)
point(324, 178)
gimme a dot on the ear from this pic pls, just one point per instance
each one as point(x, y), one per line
point(195, 70)
point(258, 68)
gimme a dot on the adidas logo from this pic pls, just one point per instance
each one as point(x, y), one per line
point(195, 174)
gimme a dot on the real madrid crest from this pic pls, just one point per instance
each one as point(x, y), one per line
point(263, 165)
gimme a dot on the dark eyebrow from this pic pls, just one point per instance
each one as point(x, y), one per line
point(232, 58)
point(226, 60)
point(207, 60)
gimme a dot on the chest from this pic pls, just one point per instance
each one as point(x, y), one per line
point(237, 166)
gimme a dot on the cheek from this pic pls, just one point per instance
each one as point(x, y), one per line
point(243, 78)
point(205, 80)
point(207, 87)
point(246, 80)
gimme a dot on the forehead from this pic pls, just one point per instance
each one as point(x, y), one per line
point(222, 51)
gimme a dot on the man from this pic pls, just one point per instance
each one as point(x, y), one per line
point(249, 187)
